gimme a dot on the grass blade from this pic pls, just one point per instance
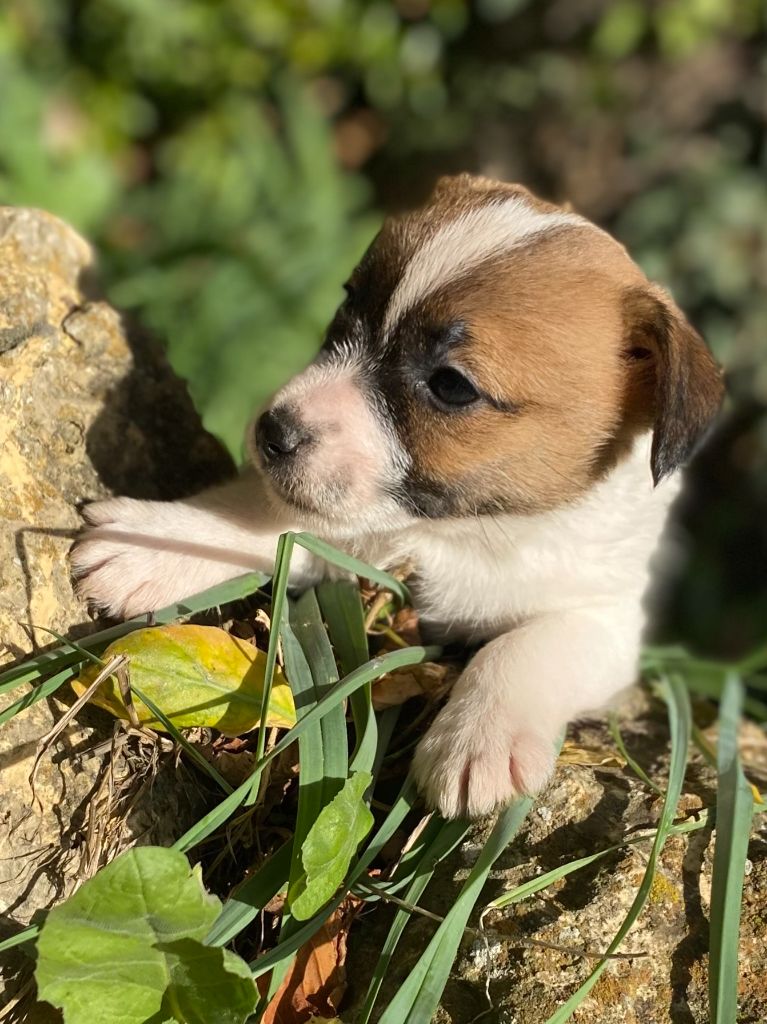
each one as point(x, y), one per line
point(28, 934)
point(680, 720)
point(279, 597)
point(60, 657)
point(534, 885)
point(250, 898)
point(342, 608)
point(306, 623)
point(634, 765)
point(40, 692)
point(366, 673)
point(734, 810)
point(353, 565)
point(323, 750)
point(189, 748)
point(442, 838)
point(418, 998)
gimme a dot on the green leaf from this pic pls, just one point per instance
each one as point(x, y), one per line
point(126, 948)
point(197, 676)
point(207, 985)
point(331, 844)
point(403, 805)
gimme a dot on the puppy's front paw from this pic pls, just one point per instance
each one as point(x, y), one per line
point(117, 567)
point(469, 764)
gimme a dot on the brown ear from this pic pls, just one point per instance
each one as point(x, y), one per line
point(687, 384)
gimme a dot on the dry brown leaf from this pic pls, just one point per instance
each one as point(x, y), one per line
point(406, 625)
point(427, 680)
point(590, 757)
point(316, 981)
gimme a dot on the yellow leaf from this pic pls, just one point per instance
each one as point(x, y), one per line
point(197, 676)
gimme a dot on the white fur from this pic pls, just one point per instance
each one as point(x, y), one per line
point(463, 243)
point(346, 476)
point(139, 556)
point(558, 595)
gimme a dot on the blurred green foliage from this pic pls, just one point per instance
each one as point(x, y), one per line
point(231, 158)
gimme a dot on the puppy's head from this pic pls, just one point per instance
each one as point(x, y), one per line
point(495, 353)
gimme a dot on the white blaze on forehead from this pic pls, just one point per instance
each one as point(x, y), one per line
point(465, 242)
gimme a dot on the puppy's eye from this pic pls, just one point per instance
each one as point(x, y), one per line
point(451, 387)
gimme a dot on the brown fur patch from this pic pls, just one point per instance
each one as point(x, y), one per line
point(545, 327)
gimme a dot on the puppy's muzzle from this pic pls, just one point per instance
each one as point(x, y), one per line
point(280, 436)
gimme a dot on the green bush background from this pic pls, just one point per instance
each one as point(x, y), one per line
point(231, 158)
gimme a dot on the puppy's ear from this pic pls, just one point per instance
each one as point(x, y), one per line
point(686, 385)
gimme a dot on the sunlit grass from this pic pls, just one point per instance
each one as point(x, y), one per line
point(327, 661)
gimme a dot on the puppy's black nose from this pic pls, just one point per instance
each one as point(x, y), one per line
point(279, 434)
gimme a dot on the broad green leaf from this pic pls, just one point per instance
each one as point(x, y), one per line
point(331, 843)
point(207, 985)
point(126, 948)
point(197, 676)
point(403, 805)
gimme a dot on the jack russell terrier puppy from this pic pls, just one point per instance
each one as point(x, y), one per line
point(503, 402)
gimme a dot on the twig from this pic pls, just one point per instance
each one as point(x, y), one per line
point(113, 665)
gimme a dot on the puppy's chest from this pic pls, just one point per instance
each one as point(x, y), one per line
point(475, 587)
point(485, 577)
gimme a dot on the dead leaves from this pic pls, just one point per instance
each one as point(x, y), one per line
point(316, 981)
point(592, 757)
point(428, 680)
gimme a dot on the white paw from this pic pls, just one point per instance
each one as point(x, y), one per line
point(471, 762)
point(120, 567)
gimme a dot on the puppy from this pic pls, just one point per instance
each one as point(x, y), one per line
point(502, 401)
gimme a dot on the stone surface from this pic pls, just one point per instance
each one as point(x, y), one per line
point(86, 408)
point(586, 808)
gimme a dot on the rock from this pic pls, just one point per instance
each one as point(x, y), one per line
point(86, 408)
point(586, 808)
